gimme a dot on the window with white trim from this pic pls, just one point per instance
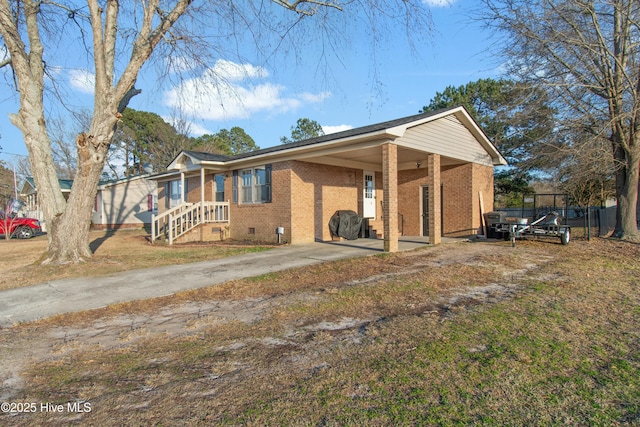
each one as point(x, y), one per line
point(246, 184)
point(254, 185)
point(173, 193)
point(219, 184)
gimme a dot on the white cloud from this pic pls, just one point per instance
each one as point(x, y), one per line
point(179, 64)
point(198, 130)
point(187, 126)
point(315, 97)
point(82, 80)
point(338, 128)
point(233, 91)
point(438, 3)
point(231, 71)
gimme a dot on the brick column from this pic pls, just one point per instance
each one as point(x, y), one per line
point(435, 209)
point(390, 190)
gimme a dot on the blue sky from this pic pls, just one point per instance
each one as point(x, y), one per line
point(267, 103)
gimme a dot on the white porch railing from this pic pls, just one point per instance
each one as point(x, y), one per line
point(181, 219)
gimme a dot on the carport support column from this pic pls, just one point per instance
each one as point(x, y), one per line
point(390, 190)
point(435, 208)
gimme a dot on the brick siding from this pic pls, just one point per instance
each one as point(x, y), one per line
point(317, 192)
point(192, 184)
point(258, 221)
point(305, 195)
point(460, 201)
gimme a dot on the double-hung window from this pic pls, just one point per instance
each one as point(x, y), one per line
point(254, 185)
point(246, 178)
point(259, 184)
point(219, 184)
point(173, 192)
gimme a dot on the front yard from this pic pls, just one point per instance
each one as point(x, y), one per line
point(113, 251)
point(460, 334)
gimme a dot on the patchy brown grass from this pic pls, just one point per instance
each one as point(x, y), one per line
point(465, 334)
point(113, 252)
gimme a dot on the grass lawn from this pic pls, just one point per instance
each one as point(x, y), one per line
point(462, 334)
point(113, 251)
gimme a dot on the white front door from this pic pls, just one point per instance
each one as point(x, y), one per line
point(369, 196)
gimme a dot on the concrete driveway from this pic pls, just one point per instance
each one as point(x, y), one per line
point(70, 295)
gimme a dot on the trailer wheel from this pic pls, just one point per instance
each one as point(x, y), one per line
point(566, 236)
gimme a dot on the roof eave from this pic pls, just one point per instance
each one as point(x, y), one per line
point(382, 135)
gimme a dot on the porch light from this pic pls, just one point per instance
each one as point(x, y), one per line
point(418, 165)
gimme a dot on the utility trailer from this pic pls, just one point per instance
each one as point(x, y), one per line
point(512, 228)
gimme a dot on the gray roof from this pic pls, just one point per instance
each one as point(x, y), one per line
point(207, 157)
point(351, 133)
point(340, 135)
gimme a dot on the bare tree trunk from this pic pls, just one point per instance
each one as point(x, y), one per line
point(70, 242)
point(587, 54)
point(627, 177)
point(68, 223)
point(144, 26)
point(29, 72)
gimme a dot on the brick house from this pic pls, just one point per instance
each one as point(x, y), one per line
point(424, 175)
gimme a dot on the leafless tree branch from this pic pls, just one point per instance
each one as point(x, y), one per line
point(307, 7)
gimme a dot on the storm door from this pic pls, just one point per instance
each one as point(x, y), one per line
point(369, 196)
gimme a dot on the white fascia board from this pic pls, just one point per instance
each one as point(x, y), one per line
point(192, 167)
point(175, 174)
point(164, 176)
point(402, 128)
point(213, 165)
point(176, 164)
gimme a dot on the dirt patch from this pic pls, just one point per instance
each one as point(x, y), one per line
point(268, 347)
point(27, 346)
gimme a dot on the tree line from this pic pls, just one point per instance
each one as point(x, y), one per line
point(145, 141)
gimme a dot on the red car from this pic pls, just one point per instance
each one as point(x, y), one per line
point(22, 228)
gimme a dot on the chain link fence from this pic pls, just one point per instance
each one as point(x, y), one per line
point(584, 222)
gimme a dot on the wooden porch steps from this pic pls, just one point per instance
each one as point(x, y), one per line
point(187, 217)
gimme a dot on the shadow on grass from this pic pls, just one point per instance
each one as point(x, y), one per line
point(95, 244)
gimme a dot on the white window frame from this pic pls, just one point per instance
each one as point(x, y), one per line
point(175, 193)
point(252, 185)
point(218, 190)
